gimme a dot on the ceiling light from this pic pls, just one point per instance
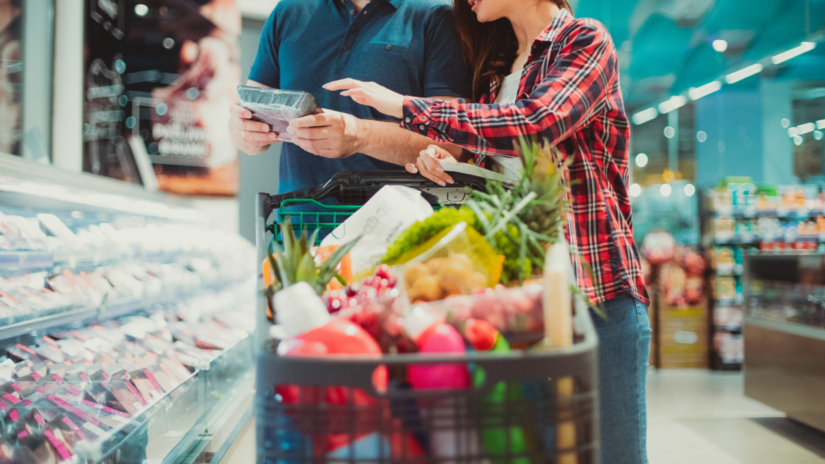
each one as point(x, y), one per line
point(720, 45)
point(141, 9)
point(793, 132)
point(787, 122)
point(705, 90)
point(644, 116)
point(641, 160)
point(701, 136)
point(635, 190)
point(820, 124)
point(743, 73)
point(665, 190)
point(798, 140)
point(670, 132)
point(672, 104)
point(817, 135)
point(805, 128)
point(690, 190)
point(794, 52)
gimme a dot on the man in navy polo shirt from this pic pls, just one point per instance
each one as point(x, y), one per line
point(409, 46)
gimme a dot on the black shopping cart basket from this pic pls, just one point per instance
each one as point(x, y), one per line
point(533, 407)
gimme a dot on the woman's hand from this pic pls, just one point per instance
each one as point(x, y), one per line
point(371, 94)
point(428, 165)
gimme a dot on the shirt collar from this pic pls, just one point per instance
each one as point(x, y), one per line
point(395, 3)
point(556, 25)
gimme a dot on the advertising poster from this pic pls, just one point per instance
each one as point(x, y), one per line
point(11, 76)
point(160, 77)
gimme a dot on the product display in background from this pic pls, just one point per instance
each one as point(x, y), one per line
point(158, 86)
point(47, 268)
point(11, 77)
point(740, 218)
point(124, 327)
point(679, 314)
point(86, 390)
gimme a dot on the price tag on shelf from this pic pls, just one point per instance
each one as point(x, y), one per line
point(803, 212)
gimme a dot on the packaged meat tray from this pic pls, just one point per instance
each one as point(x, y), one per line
point(276, 107)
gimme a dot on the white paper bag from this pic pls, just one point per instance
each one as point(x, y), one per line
point(389, 212)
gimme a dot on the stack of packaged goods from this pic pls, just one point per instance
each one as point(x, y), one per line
point(47, 268)
point(680, 316)
point(751, 219)
point(87, 389)
point(491, 276)
point(103, 317)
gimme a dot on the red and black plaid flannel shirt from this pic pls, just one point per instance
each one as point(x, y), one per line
point(569, 96)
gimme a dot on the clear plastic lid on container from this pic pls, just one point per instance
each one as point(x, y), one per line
point(276, 107)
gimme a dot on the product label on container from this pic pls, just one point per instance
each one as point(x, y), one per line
point(94, 429)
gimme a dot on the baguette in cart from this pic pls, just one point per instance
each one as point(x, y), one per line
point(426, 325)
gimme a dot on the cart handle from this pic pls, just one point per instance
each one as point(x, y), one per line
point(286, 203)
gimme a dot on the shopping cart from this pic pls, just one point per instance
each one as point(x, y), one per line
point(547, 406)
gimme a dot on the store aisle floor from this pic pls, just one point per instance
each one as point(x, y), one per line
point(698, 416)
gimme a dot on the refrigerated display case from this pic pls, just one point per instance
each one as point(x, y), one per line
point(784, 332)
point(125, 324)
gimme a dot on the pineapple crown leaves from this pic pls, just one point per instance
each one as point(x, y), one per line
point(536, 205)
point(294, 262)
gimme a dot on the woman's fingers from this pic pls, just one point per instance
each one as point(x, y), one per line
point(433, 166)
point(343, 84)
point(411, 168)
point(441, 154)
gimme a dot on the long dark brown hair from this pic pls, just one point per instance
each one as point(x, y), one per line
point(488, 49)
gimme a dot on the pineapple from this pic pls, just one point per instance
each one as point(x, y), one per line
point(523, 221)
point(294, 262)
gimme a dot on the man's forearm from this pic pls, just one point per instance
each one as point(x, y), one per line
point(388, 142)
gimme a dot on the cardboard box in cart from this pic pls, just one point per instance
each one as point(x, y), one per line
point(682, 335)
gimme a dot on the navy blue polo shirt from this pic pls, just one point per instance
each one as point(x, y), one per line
point(409, 46)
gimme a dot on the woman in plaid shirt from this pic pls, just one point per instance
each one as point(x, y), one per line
point(538, 71)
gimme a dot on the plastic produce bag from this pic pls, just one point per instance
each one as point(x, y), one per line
point(379, 222)
point(276, 107)
point(457, 261)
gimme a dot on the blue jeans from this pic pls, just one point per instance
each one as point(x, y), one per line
point(624, 349)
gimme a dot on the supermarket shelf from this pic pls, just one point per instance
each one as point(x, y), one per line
point(737, 240)
point(730, 301)
point(792, 328)
point(74, 258)
point(25, 259)
point(801, 213)
point(102, 311)
point(730, 270)
point(729, 328)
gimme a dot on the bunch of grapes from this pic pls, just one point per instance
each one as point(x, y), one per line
point(422, 231)
point(359, 293)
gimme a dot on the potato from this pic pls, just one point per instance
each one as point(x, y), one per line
point(477, 281)
point(425, 289)
point(415, 272)
point(454, 275)
point(435, 264)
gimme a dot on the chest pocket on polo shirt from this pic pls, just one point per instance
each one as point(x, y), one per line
point(395, 47)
